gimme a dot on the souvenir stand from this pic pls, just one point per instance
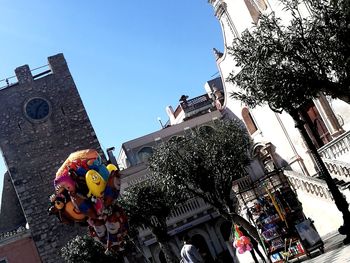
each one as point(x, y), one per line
point(273, 207)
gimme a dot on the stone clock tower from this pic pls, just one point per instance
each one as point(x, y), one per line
point(42, 121)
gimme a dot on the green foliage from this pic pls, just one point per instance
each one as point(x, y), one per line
point(147, 201)
point(286, 64)
point(148, 204)
point(83, 249)
point(204, 162)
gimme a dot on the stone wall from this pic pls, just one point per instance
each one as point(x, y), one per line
point(35, 148)
point(11, 211)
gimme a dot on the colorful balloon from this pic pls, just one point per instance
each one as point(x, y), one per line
point(84, 205)
point(102, 170)
point(73, 212)
point(86, 192)
point(65, 182)
point(249, 247)
point(241, 250)
point(112, 189)
point(111, 167)
point(245, 240)
point(116, 225)
point(95, 183)
point(243, 244)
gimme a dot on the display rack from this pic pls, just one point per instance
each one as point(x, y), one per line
point(272, 206)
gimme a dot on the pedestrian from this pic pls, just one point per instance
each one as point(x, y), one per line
point(189, 253)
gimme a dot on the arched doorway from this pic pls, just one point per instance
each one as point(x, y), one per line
point(200, 243)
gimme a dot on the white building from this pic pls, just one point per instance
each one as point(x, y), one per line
point(277, 143)
point(194, 217)
point(327, 121)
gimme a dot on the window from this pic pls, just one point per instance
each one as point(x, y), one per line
point(206, 130)
point(315, 125)
point(255, 7)
point(144, 154)
point(249, 121)
point(261, 4)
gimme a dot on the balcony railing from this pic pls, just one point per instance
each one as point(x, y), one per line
point(338, 169)
point(16, 232)
point(182, 212)
point(336, 148)
point(196, 105)
point(309, 185)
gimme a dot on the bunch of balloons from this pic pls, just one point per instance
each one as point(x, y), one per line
point(242, 243)
point(86, 192)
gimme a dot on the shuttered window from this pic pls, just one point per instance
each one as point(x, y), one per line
point(249, 121)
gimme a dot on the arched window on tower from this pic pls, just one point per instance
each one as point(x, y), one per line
point(249, 121)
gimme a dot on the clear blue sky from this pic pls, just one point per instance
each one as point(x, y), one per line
point(129, 59)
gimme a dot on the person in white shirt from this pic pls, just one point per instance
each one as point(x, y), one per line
point(189, 253)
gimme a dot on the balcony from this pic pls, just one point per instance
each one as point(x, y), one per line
point(335, 155)
point(182, 217)
point(196, 105)
point(337, 148)
point(310, 185)
point(14, 234)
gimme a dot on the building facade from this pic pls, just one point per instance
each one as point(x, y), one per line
point(43, 120)
point(327, 120)
point(194, 217)
point(18, 246)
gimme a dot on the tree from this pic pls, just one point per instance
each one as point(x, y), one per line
point(84, 249)
point(204, 163)
point(299, 60)
point(285, 66)
point(147, 204)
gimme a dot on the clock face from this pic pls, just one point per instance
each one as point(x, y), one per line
point(37, 108)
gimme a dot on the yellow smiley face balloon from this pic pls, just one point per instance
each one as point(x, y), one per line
point(95, 183)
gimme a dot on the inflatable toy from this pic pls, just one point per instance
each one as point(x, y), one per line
point(86, 192)
point(95, 183)
point(241, 242)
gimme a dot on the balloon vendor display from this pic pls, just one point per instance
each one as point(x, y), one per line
point(241, 242)
point(86, 192)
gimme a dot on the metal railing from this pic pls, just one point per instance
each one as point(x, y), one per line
point(193, 106)
point(10, 81)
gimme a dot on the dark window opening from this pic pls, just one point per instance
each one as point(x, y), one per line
point(315, 125)
point(249, 121)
